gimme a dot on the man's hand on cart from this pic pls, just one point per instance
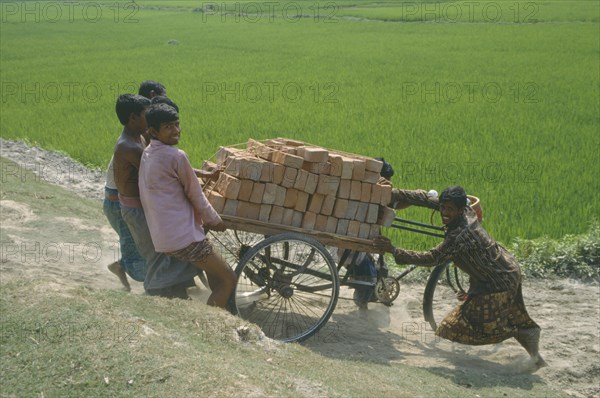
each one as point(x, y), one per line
point(220, 227)
point(383, 244)
point(207, 174)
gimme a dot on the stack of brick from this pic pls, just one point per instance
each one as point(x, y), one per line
point(286, 182)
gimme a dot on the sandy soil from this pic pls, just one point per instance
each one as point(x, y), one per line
point(567, 311)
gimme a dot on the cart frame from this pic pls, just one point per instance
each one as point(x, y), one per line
point(288, 282)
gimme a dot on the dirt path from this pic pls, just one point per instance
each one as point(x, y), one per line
point(567, 311)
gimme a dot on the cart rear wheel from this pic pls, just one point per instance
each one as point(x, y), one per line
point(232, 244)
point(444, 283)
point(288, 285)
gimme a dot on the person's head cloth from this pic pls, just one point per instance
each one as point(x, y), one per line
point(387, 171)
point(456, 195)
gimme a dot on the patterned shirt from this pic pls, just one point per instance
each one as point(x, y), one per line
point(491, 268)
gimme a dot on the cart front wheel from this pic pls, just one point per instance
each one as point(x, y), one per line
point(288, 285)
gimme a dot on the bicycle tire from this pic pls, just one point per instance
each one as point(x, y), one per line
point(288, 285)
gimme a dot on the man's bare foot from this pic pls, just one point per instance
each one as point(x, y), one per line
point(116, 269)
point(539, 361)
point(535, 363)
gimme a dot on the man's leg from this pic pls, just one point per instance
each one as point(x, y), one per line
point(530, 340)
point(221, 279)
point(112, 211)
point(116, 269)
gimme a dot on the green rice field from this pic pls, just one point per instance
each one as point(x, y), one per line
point(501, 97)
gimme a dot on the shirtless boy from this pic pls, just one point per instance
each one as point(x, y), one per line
point(165, 276)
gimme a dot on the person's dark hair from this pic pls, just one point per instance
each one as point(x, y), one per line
point(128, 104)
point(161, 99)
point(387, 171)
point(456, 195)
point(160, 113)
point(148, 86)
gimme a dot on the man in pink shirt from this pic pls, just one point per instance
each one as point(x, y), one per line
point(176, 208)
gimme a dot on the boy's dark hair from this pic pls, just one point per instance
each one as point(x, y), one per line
point(161, 99)
point(456, 195)
point(387, 171)
point(128, 104)
point(160, 113)
point(148, 86)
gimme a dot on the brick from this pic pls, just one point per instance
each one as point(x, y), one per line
point(265, 212)
point(361, 212)
point(280, 196)
point(365, 192)
point(373, 165)
point(297, 219)
point(321, 223)
point(342, 227)
point(347, 168)
point(288, 215)
point(301, 201)
point(352, 209)
point(355, 190)
point(228, 186)
point(259, 149)
point(313, 154)
point(317, 168)
point(301, 179)
point(209, 166)
point(358, 170)
point(364, 232)
point(331, 225)
point(289, 142)
point(225, 152)
point(275, 143)
point(245, 190)
point(230, 208)
point(344, 191)
point(267, 171)
point(375, 231)
point(308, 222)
point(289, 177)
point(291, 196)
point(258, 190)
point(216, 200)
point(376, 193)
point(244, 167)
point(353, 228)
point(328, 205)
point(276, 215)
point(341, 208)
point(287, 159)
point(328, 185)
point(386, 195)
point(311, 183)
point(386, 216)
point(270, 194)
point(336, 165)
point(372, 213)
point(248, 210)
point(315, 203)
point(371, 177)
point(278, 173)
